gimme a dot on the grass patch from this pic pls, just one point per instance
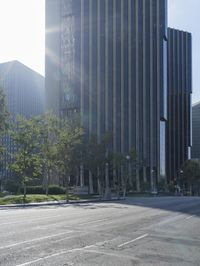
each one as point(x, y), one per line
point(18, 199)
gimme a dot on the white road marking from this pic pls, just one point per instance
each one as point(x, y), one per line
point(34, 240)
point(189, 217)
point(33, 220)
point(91, 222)
point(47, 257)
point(112, 254)
point(59, 253)
point(133, 240)
point(170, 219)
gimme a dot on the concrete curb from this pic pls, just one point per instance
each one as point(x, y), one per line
point(57, 203)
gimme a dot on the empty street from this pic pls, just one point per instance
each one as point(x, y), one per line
point(137, 231)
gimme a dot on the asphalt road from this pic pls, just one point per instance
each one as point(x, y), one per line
point(139, 231)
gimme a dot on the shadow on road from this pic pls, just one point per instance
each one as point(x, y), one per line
point(187, 205)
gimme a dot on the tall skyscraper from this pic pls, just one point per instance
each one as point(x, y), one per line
point(179, 137)
point(196, 131)
point(106, 58)
point(24, 90)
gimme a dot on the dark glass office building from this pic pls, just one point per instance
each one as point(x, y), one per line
point(108, 59)
point(179, 135)
point(24, 90)
point(196, 131)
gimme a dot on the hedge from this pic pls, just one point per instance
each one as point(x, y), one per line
point(53, 190)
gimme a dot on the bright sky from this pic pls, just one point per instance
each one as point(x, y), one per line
point(22, 32)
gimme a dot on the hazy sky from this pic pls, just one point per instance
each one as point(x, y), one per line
point(22, 32)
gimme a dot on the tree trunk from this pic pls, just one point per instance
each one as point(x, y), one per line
point(67, 190)
point(99, 183)
point(77, 176)
point(130, 176)
point(144, 175)
point(125, 180)
point(81, 175)
point(99, 187)
point(91, 189)
point(24, 198)
point(124, 192)
point(137, 181)
point(107, 189)
point(47, 183)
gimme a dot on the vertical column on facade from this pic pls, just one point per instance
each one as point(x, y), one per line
point(183, 78)
point(126, 78)
point(106, 67)
point(137, 93)
point(151, 96)
point(117, 74)
point(176, 140)
point(110, 68)
point(168, 112)
point(122, 78)
point(130, 114)
point(114, 111)
point(114, 80)
point(98, 73)
point(178, 152)
point(107, 177)
point(189, 91)
point(173, 159)
point(82, 84)
point(144, 92)
point(186, 100)
point(102, 66)
point(90, 74)
point(159, 50)
point(91, 83)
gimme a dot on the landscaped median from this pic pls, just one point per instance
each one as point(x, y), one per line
point(19, 199)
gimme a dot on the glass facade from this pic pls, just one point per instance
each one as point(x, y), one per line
point(121, 53)
point(196, 131)
point(179, 138)
point(68, 96)
point(163, 149)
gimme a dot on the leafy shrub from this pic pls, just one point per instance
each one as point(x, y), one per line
point(56, 190)
point(34, 190)
point(53, 190)
point(11, 186)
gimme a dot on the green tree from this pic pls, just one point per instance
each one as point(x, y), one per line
point(124, 166)
point(4, 115)
point(96, 156)
point(68, 143)
point(4, 123)
point(26, 159)
point(191, 173)
point(48, 137)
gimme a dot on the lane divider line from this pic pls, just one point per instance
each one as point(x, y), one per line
point(190, 217)
point(133, 240)
point(35, 240)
